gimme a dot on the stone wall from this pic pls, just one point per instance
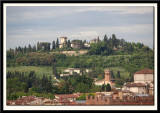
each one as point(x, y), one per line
point(127, 100)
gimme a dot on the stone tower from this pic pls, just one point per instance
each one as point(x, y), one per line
point(63, 40)
point(107, 75)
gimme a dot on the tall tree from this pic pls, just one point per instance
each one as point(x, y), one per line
point(57, 43)
point(53, 45)
point(34, 48)
point(29, 48)
point(112, 74)
point(118, 74)
point(98, 39)
point(68, 44)
point(105, 38)
point(54, 71)
point(38, 46)
point(108, 87)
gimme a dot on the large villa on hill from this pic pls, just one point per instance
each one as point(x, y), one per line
point(75, 44)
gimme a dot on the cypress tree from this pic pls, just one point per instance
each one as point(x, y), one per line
point(108, 87)
point(57, 43)
point(53, 45)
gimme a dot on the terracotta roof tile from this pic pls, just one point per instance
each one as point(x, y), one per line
point(135, 85)
point(100, 81)
point(67, 96)
point(145, 71)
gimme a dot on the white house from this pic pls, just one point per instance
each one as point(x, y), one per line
point(143, 82)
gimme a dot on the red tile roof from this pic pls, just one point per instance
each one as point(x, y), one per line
point(145, 71)
point(135, 85)
point(100, 80)
point(67, 96)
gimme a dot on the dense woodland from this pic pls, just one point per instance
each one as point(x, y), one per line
point(106, 53)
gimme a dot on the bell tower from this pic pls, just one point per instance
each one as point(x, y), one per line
point(107, 75)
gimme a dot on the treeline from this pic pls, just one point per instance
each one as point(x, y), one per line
point(114, 46)
point(21, 84)
point(108, 46)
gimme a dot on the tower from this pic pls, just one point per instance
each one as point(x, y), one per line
point(107, 75)
point(63, 40)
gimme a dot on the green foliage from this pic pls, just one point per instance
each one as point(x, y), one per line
point(108, 87)
point(20, 84)
point(119, 82)
point(83, 97)
point(29, 71)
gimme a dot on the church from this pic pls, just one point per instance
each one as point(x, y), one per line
point(107, 79)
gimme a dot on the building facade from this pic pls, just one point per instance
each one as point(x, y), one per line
point(63, 42)
point(143, 82)
point(107, 79)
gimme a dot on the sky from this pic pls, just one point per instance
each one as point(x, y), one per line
point(31, 24)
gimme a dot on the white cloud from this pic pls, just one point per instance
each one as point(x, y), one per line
point(120, 9)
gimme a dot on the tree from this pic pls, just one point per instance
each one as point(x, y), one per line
point(108, 87)
point(98, 39)
point(38, 46)
point(118, 74)
point(105, 38)
point(57, 43)
point(103, 87)
point(53, 45)
point(112, 74)
point(54, 71)
point(68, 44)
point(29, 48)
point(34, 48)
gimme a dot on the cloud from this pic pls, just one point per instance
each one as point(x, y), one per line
point(28, 25)
point(118, 9)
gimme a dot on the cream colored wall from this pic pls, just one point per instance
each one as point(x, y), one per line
point(133, 89)
point(99, 83)
point(60, 46)
point(143, 78)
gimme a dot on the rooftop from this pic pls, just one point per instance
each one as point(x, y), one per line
point(63, 37)
point(68, 95)
point(145, 71)
point(135, 85)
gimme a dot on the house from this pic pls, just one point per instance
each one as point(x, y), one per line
point(75, 45)
point(70, 71)
point(144, 76)
point(143, 82)
point(86, 44)
point(67, 97)
point(63, 42)
point(137, 88)
point(95, 40)
point(27, 100)
point(107, 79)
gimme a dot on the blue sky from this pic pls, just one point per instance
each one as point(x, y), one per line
point(30, 24)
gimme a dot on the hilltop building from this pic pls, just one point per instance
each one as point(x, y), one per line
point(95, 40)
point(75, 44)
point(107, 79)
point(63, 42)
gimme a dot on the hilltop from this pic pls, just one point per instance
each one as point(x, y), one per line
point(37, 67)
